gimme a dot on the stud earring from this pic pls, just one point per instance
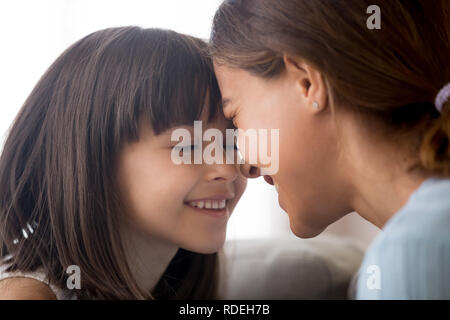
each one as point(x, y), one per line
point(316, 105)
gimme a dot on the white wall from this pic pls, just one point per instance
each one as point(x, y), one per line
point(33, 33)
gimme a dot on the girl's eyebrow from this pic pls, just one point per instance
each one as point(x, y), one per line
point(170, 130)
point(167, 134)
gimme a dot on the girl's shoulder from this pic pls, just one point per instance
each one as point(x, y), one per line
point(32, 285)
point(22, 288)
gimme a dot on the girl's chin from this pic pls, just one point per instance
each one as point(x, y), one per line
point(213, 246)
point(208, 250)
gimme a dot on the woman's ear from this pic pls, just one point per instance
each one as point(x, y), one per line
point(309, 80)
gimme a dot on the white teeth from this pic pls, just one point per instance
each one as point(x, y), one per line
point(209, 204)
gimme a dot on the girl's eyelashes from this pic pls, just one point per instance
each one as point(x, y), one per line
point(234, 146)
point(194, 147)
point(185, 148)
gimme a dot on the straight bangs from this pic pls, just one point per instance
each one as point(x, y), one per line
point(180, 86)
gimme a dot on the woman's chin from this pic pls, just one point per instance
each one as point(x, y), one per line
point(303, 230)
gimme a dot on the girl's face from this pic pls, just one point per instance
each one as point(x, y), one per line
point(159, 194)
point(308, 181)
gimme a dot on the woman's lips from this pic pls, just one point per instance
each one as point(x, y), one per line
point(269, 180)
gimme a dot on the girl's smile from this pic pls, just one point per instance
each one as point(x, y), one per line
point(215, 212)
point(216, 206)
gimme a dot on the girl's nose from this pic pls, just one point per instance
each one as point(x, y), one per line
point(250, 171)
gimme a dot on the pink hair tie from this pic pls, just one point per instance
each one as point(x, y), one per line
point(442, 97)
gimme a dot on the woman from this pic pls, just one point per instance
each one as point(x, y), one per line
point(364, 120)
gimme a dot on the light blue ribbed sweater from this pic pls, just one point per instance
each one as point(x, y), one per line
point(410, 259)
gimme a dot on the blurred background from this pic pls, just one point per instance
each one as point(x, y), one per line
point(34, 33)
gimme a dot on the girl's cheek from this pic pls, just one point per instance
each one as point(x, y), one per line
point(241, 184)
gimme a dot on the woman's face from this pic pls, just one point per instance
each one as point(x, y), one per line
point(163, 198)
point(308, 179)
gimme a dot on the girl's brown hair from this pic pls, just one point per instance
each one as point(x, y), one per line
point(392, 74)
point(59, 203)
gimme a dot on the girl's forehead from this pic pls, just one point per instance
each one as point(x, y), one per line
point(219, 123)
point(219, 119)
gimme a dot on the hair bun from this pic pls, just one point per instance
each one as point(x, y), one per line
point(442, 97)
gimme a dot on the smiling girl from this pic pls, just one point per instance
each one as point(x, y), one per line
point(87, 180)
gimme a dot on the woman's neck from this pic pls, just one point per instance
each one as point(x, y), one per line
point(378, 199)
point(378, 176)
point(147, 256)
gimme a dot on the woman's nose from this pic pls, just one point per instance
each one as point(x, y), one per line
point(223, 172)
point(250, 171)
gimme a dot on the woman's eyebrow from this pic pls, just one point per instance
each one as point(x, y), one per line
point(225, 102)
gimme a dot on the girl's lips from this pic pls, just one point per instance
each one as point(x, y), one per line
point(216, 205)
point(227, 196)
point(218, 213)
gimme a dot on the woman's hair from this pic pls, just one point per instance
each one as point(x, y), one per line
point(392, 74)
point(59, 201)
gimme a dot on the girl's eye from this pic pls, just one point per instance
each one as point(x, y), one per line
point(235, 147)
point(194, 147)
point(185, 148)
